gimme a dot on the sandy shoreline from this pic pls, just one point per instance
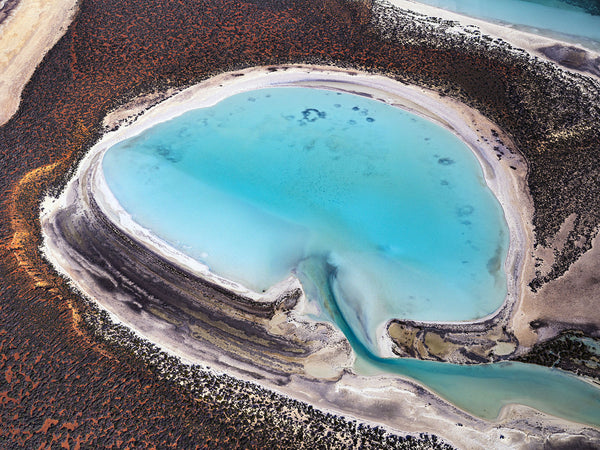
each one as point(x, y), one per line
point(30, 31)
point(526, 40)
point(508, 185)
point(352, 395)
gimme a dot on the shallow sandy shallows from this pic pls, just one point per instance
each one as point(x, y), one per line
point(397, 403)
point(26, 35)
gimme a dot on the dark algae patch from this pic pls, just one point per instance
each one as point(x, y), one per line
point(64, 378)
point(591, 6)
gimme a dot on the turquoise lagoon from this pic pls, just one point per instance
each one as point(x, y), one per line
point(380, 213)
point(556, 18)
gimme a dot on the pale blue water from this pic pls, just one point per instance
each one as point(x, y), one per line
point(382, 214)
point(267, 179)
point(548, 17)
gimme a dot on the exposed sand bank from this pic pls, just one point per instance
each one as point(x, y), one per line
point(572, 57)
point(564, 303)
point(26, 35)
point(325, 381)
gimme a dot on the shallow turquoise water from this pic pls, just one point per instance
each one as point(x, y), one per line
point(266, 179)
point(543, 16)
point(380, 213)
point(481, 389)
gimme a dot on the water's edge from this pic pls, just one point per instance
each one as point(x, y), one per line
point(578, 413)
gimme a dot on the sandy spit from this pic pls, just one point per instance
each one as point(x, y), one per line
point(26, 35)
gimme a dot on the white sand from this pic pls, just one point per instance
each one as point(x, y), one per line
point(25, 37)
point(525, 40)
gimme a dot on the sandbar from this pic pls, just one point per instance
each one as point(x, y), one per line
point(26, 35)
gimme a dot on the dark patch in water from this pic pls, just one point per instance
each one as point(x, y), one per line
point(310, 146)
point(312, 114)
point(465, 210)
point(495, 262)
point(355, 108)
point(445, 161)
point(168, 154)
point(370, 119)
point(184, 133)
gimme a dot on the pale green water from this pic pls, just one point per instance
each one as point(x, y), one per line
point(382, 214)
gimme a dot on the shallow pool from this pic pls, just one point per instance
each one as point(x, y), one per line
point(380, 213)
point(266, 179)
